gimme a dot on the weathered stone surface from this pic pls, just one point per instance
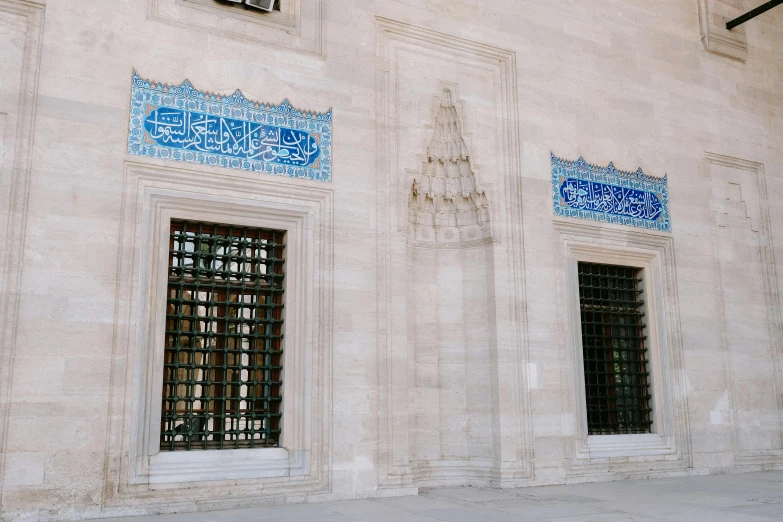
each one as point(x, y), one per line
point(433, 363)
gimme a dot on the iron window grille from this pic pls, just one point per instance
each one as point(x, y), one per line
point(222, 371)
point(617, 389)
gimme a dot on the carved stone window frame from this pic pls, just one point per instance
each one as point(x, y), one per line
point(669, 444)
point(299, 26)
point(149, 463)
point(153, 195)
point(287, 16)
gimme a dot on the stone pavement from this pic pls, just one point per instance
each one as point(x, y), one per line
point(717, 498)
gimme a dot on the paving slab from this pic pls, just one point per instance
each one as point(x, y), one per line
point(749, 497)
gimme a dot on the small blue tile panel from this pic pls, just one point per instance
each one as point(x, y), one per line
point(608, 195)
point(184, 124)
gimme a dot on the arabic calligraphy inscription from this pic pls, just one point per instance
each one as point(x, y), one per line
point(185, 124)
point(609, 195)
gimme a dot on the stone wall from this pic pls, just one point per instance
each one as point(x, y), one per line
point(426, 360)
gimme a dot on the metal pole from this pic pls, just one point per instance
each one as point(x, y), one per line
point(763, 8)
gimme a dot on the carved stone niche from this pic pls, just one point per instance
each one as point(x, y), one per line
point(445, 202)
point(713, 15)
point(450, 304)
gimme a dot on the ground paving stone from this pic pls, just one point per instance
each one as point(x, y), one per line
point(732, 498)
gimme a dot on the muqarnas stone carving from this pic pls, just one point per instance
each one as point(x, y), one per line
point(609, 195)
point(181, 123)
point(450, 288)
point(445, 203)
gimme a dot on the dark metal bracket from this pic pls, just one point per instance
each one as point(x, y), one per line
point(763, 8)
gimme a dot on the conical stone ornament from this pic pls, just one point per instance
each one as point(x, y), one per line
point(444, 204)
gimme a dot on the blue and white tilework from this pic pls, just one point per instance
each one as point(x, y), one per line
point(606, 194)
point(184, 124)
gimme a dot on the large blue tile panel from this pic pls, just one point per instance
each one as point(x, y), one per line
point(608, 195)
point(182, 123)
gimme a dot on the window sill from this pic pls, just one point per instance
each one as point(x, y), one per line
point(642, 445)
point(216, 465)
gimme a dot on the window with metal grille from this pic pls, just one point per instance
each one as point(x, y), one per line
point(222, 371)
point(263, 5)
point(617, 389)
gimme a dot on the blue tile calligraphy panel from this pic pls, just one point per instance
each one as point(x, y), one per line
point(606, 194)
point(184, 124)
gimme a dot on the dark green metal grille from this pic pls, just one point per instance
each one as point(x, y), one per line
point(222, 371)
point(617, 387)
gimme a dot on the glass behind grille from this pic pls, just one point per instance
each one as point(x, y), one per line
point(613, 346)
point(222, 376)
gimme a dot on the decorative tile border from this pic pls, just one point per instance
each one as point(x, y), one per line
point(184, 124)
point(583, 190)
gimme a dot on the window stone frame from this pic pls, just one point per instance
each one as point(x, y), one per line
point(153, 195)
point(286, 16)
point(299, 26)
point(668, 446)
point(152, 465)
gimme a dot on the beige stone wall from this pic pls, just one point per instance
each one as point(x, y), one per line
point(654, 85)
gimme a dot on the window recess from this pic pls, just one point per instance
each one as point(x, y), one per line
point(617, 377)
point(263, 5)
point(223, 371)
